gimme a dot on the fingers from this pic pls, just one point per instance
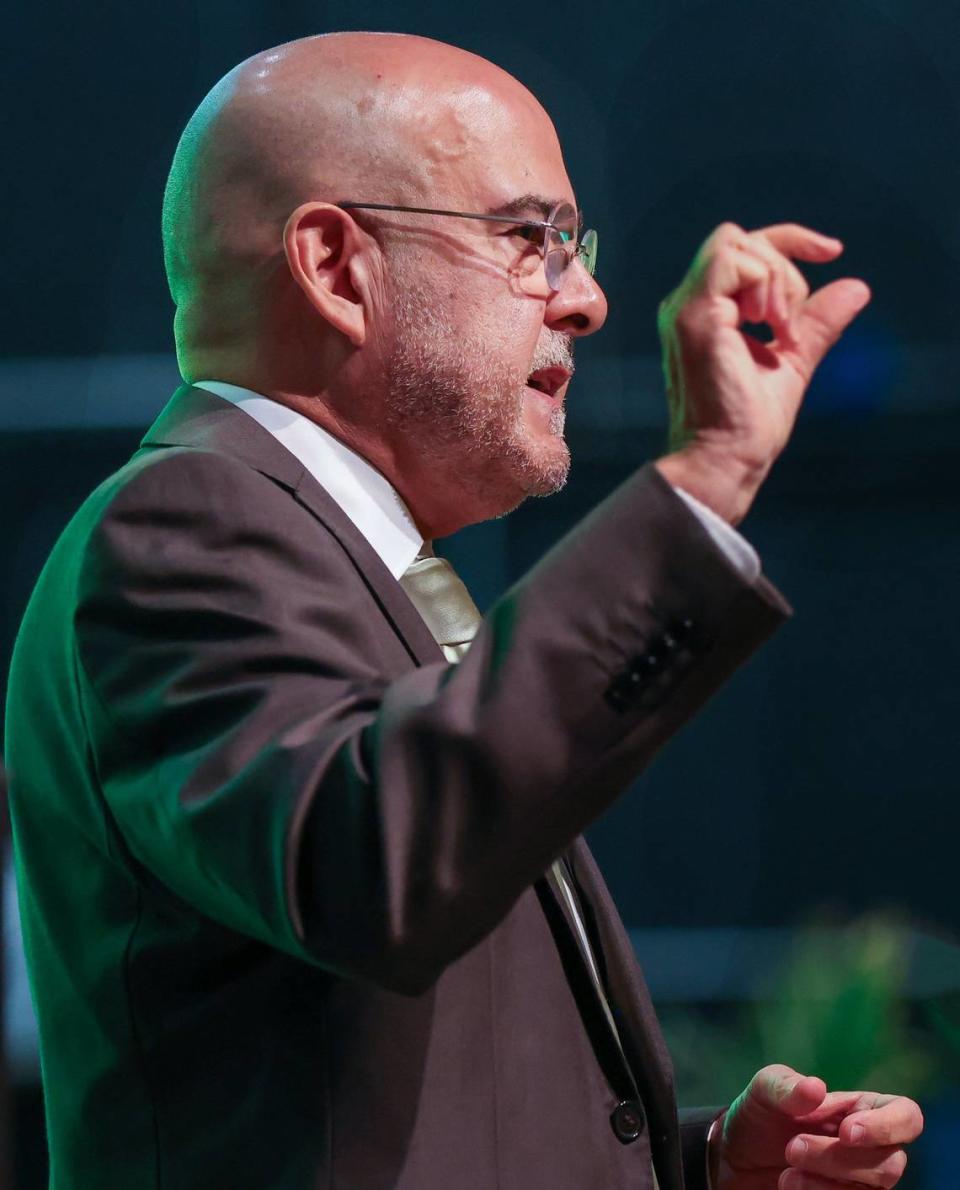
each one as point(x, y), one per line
point(788, 289)
point(890, 1120)
point(785, 1090)
point(802, 243)
point(827, 1157)
point(755, 269)
point(867, 1150)
point(728, 268)
point(790, 239)
point(825, 317)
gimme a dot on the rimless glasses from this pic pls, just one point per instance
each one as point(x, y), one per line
point(558, 240)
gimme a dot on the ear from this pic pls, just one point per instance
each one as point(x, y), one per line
point(324, 249)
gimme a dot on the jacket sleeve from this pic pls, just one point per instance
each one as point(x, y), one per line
point(694, 1129)
point(263, 759)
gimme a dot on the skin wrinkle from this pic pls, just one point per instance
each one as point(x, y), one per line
point(408, 337)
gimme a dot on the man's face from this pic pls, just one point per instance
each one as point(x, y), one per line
point(478, 349)
point(460, 375)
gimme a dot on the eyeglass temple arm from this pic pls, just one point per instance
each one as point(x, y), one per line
point(382, 206)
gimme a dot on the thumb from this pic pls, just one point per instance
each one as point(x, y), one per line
point(826, 315)
point(784, 1090)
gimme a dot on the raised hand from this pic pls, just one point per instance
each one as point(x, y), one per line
point(733, 399)
point(788, 1132)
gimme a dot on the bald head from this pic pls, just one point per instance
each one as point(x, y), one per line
point(411, 338)
point(368, 116)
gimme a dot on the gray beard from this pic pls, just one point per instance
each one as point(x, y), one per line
point(465, 406)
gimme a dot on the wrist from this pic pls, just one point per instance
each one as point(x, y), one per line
point(722, 482)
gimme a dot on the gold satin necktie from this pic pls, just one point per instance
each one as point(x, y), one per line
point(444, 603)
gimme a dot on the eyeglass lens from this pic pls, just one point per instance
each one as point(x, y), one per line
point(561, 245)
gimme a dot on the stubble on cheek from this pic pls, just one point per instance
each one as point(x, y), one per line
point(466, 403)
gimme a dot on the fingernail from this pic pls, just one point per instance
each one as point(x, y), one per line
point(856, 1133)
point(798, 1148)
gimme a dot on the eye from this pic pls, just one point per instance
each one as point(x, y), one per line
point(533, 235)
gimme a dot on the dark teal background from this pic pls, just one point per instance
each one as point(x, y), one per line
point(826, 774)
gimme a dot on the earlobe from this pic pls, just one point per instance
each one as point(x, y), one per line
point(322, 245)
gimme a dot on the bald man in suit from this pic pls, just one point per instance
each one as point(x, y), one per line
point(306, 905)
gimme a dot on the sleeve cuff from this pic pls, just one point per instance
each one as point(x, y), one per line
point(706, 1155)
point(736, 549)
point(697, 1126)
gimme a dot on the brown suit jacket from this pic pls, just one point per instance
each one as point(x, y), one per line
point(280, 864)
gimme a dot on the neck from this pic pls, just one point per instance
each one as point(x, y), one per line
point(444, 487)
point(442, 493)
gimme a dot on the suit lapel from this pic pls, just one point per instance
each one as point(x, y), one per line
point(649, 1072)
point(636, 1020)
point(627, 988)
point(196, 418)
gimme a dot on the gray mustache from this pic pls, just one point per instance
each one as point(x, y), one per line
point(555, 352)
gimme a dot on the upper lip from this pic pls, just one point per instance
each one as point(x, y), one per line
point(549, 380)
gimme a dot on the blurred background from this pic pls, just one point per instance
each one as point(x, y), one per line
point(787, 865)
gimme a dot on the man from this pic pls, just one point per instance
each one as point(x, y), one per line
point(305, 905)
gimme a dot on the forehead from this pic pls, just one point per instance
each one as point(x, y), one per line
point(487, 147)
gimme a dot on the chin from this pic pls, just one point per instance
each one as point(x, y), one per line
point(511, 477)
point(544, 468)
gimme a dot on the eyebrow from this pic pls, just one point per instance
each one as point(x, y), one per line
point(528, 203)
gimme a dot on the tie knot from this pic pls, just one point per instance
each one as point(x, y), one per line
point(442, 600)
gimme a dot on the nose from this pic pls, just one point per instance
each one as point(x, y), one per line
point(579, 306)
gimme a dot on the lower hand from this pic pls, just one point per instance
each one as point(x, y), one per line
point(787, 1132)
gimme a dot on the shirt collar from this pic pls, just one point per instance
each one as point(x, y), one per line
point(366, 496)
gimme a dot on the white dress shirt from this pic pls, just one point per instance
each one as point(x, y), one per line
point(368, 499)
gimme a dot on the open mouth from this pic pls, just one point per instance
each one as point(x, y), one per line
point(549, 380)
